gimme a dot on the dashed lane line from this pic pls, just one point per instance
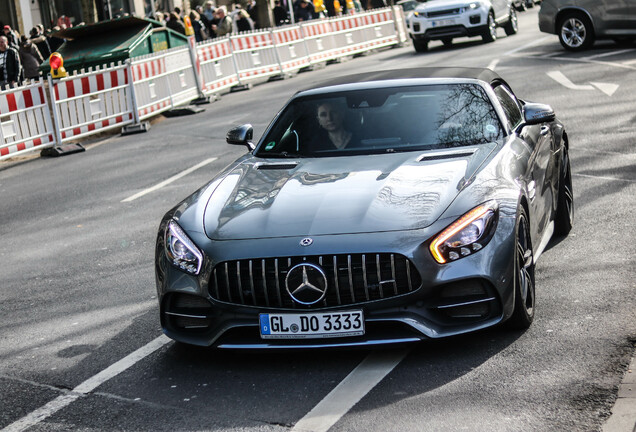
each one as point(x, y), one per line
point(608, 54)
point(87, 386)
point(168, 181)
point(349, 392)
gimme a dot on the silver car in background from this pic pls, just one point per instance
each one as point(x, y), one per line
point(578, 23)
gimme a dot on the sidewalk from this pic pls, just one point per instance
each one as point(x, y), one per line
point(623, 418)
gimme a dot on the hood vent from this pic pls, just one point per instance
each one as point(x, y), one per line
point(447, 155)
point(276, 166)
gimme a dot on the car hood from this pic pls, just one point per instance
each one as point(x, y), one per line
point(265, 198)
point(441, 5)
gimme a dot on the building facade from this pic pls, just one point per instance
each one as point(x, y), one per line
point(23, 15)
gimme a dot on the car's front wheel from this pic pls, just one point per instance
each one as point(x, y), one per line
point(490, 34)
point(523, 314)
point(420, 45)
point(512, 26)
point(575, 31)
point(565, 207)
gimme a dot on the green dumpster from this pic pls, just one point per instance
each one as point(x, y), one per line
point(113, 41)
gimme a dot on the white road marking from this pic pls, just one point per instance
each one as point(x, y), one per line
point(168, 181)
point(528, 45)
point(565, 82)
point(604, 178)
point(631, 62)
point(607, 54)
point(493, 64)
point(87, 386)
point(349, 392)
point(607, 88)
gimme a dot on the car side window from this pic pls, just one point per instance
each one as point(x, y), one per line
point(510, 105)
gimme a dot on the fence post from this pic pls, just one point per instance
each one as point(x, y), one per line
point(240, 86)
point(196, 65)
point(137, 125)
point(59, 149)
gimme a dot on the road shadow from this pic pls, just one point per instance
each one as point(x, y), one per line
point(187, 387)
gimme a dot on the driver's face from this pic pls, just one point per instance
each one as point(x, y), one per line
point(329, 117)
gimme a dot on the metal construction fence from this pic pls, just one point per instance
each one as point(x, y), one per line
point(51, 113)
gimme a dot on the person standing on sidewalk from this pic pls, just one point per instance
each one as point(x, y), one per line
point(30, 57)
point(224, 23)
point(10, 67)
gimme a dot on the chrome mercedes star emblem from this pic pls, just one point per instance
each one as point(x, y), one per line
point(306, 283)
point(306, 241)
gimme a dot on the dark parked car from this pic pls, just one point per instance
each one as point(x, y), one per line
point(578, 23)
point(385, 207)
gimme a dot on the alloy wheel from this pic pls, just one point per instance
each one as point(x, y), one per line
point(573, 32)
point(525, 268)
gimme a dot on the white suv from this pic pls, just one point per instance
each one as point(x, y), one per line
point(447, 19)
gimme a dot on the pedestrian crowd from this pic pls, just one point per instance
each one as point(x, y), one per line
point(22, 55)
point(209, 21)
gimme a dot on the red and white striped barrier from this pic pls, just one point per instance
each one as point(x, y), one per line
point(152, 92)
point(320, 41)
point(91, 102)
point(25, 120)
point(217, 66)
point(255, 56)
point(124, 95)
point(163, 81)
point(291, 48)
point(350, 35)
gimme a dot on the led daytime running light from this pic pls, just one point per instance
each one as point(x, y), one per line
point(456, 227)
point(175, 230)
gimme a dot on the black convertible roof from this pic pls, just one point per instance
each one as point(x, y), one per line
point(481, 74)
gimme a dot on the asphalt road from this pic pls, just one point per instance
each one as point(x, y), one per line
point(77, 290)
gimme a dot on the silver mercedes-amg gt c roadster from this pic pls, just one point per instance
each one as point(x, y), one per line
point(380, 208)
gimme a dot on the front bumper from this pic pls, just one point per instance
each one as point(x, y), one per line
point(468, 24)
point(469, 294)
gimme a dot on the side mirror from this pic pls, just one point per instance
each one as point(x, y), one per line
point(241, 135)
point(535, 113)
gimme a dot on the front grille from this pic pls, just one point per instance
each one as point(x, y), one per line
point(433, 14)
point(351, 279)
point(456, 31)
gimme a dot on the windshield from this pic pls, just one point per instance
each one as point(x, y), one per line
point(383, 120)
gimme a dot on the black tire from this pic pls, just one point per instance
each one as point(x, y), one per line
point(521, 6)
point(420, 45)
point(529, 4)
point(564, 217)
point(512, 26)
point(575, 31)
point(523, 313)
point(447, 42)
point(490, 34)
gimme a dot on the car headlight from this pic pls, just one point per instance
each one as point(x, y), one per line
point(182, 251)
point(416, 13)
point(473, 5)
point(466, 235)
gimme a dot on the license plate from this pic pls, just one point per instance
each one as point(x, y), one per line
point(443, 23)
point(312, 325)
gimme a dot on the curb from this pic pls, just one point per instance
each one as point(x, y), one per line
point(623, 418)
